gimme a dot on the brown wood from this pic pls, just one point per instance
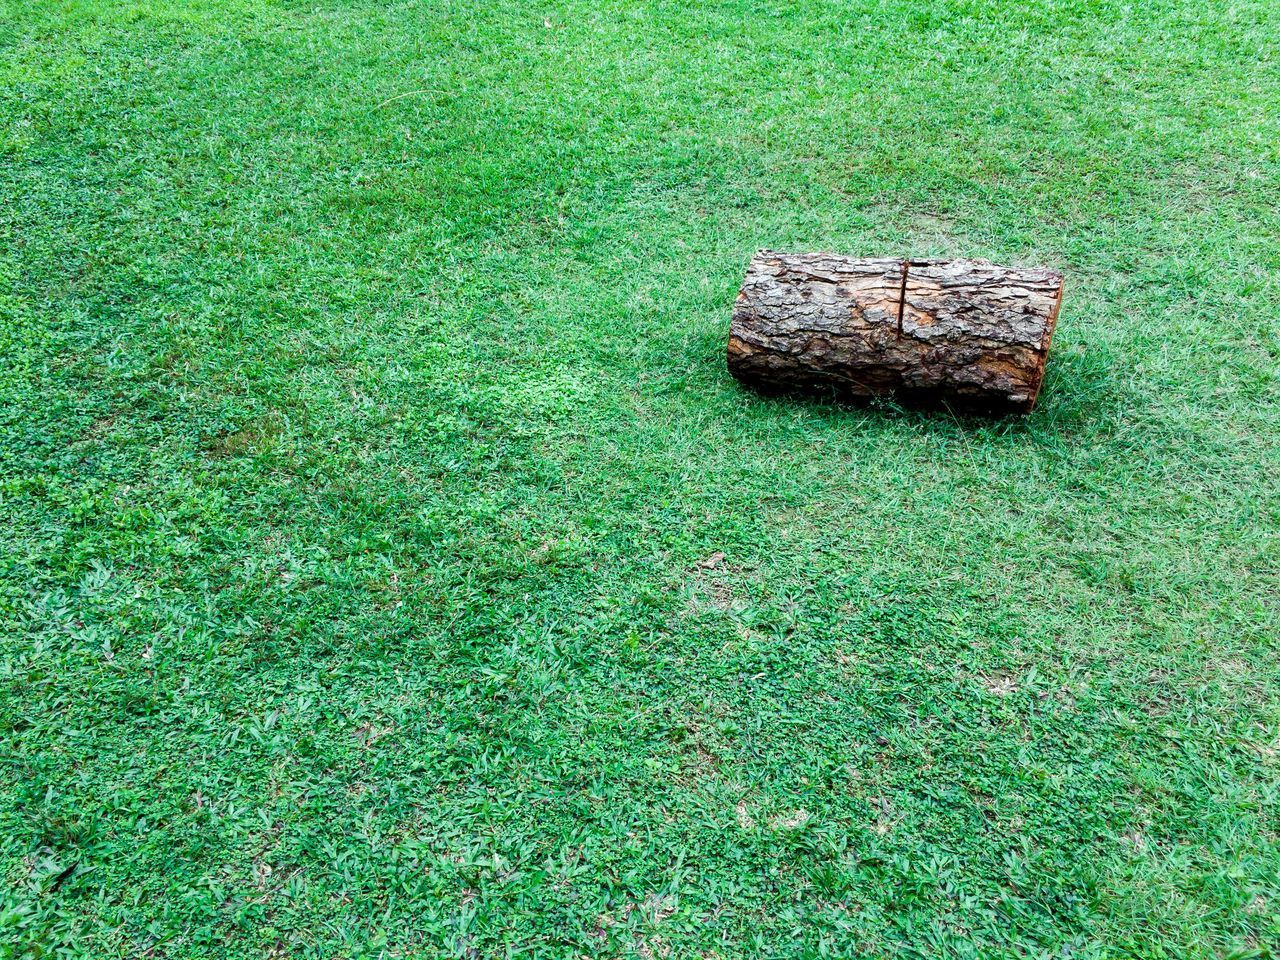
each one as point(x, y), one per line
point(965, 334)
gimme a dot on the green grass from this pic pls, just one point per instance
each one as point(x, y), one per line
point(364, 428)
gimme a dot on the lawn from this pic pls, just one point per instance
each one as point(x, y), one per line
point(389, 567)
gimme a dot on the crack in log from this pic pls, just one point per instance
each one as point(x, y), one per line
point(902, 296)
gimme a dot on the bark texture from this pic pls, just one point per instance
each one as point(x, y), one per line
point(966, 334)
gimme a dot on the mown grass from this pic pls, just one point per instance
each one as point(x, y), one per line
point(366, 446)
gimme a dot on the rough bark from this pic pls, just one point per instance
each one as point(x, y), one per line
point(965, 334)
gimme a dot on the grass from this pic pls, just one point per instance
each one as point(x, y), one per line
point(366, 446)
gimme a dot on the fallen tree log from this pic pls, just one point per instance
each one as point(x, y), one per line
point(965, 334)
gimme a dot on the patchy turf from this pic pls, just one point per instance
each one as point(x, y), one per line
point(390, 568)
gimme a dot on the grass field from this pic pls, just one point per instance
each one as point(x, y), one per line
point(366, 447)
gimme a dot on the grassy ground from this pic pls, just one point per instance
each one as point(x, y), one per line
point(365, 434)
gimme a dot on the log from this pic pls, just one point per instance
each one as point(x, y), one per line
point(964, 334)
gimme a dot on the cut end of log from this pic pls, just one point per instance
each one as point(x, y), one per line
point(967, 335)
